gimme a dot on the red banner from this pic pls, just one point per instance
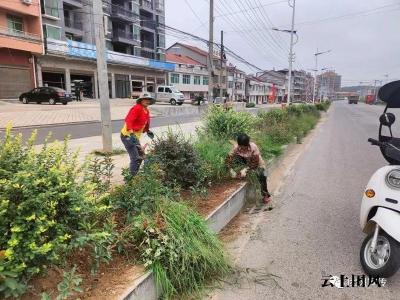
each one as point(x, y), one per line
point(272, 95)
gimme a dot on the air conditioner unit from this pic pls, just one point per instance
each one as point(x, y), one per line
point(28, 2)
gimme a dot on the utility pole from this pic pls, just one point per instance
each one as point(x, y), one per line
point(291, 53)
point(221, 72)
point(211, 53)
point(316, 70)
point(102, 76)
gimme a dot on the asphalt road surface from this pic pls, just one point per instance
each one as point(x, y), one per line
point(314, 229)
point(87, 129)
point(93, 128)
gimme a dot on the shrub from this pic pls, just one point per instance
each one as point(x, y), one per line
point(45, 206)
point(323, 106)
point(180, 249)
point(250, 105)
point(268, 147)
point(213, 154)
point(177, 158)
point(142, 193)
point(222, 124)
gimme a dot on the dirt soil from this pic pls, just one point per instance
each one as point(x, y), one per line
point(110, 282)
point(216, 195)
point(113, 279)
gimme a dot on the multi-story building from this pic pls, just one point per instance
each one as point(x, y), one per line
point(219, 82)
point(190, 76)
point(236, 84)
point(257, 90)
point(278, 82)
point(328, 83)
point(135, 41)
point(20, 40)
point(300, 84)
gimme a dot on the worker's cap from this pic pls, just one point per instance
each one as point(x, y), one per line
point(146, 96)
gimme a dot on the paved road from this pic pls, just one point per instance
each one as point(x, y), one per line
point(314, 229)
point(92, 128)
point(87, 129)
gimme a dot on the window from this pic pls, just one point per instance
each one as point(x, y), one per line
point(15, 24)
point(196, 79)
point(230, 84)
point(168, 90)
point(161, 90)
point(175, 78)
point(205, 80)
point(186, 79)
point(51, 8)
point(52, 32)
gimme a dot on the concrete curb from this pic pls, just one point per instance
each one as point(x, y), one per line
point(144, 288)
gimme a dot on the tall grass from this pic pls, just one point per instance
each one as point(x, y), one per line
point(213, 153)
point(181, 251)
point(222, 124)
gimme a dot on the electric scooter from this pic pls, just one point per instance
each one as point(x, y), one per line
point(380, 207)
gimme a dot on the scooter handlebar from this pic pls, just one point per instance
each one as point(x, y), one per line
point(375, 142)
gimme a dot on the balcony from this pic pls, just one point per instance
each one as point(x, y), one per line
point(159, 5)
point(146, 4)
point(73, 27)
point(148, 54)
point(120, 13)
point(148, 44)
point(121, 36)
point(74, 3)
point(20, 34)
point(148, 23)
point(21, 40)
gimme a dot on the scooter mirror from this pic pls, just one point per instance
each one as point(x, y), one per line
point(387, 119)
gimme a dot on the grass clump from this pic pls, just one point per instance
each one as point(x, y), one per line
point(178, 247)
point(213, 154)
point(225, 125)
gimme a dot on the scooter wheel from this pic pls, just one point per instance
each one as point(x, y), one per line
point(385, 261)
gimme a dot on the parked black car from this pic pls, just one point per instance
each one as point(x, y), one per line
point(50, 94)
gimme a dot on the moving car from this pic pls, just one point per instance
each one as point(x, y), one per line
point(169, 94)
point(49, 94)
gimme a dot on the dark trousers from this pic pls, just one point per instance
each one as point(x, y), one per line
point(261, 173)
point(262, 178)
point(132, 146)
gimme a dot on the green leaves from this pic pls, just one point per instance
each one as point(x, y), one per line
point(44, 200)
point(222, 124)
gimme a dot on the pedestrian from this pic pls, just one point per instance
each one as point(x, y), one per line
point(247, 154)
point(77, 94)
point(81, 95)
point(137, 121)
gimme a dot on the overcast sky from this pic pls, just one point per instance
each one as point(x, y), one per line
point(364, 35)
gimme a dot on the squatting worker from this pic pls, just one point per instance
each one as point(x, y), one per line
point(136, 122)
point(247, 154)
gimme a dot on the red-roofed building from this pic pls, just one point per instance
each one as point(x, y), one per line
point(190, 76)
point(200, 56)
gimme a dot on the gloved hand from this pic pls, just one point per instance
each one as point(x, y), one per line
point(233, 173)
point(243, 172)
point(150, 134)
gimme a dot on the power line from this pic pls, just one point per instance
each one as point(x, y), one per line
point(251, 8)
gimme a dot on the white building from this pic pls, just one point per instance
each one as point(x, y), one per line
point(236, 84)
point(190, 76)
point(257, 90)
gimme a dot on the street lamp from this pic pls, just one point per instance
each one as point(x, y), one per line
point(316, 70)
point(292, 33)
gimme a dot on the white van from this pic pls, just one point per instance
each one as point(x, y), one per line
point(169, 94)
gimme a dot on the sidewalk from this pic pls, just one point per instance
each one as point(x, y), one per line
point(29, 115)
